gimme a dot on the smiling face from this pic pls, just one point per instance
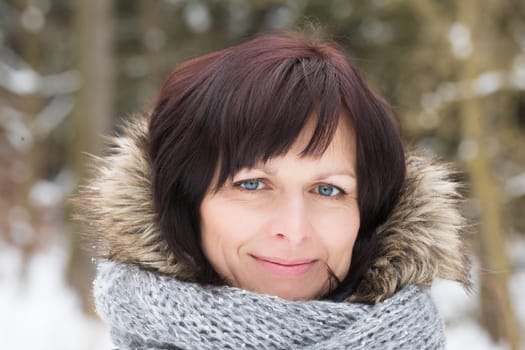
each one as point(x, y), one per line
point(278, 228)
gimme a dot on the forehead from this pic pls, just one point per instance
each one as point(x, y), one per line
point(342, 140)
point(339, 154)
point(265, 120)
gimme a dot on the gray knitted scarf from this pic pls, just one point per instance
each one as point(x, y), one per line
point(146, 310)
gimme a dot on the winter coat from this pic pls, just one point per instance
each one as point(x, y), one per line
point(422, 239)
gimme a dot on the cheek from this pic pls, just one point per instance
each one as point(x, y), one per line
point(338, 232)
point(217, 227)
point(226, 227)
point(223, 220)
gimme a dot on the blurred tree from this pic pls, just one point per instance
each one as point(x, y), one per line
point(30, 154)
point(23, 151)
point(92, 116)
point(409, 50)
point(497, 311)
point(153, 40)
point(443, 64)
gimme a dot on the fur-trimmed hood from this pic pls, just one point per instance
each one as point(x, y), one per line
point(422, 239)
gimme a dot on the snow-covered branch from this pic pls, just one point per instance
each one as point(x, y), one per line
point(25, 81)
point(485, 84)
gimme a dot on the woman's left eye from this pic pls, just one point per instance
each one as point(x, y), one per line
point(251, 185)
point(327, 190)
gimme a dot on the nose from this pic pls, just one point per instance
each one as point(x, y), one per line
point(290, 220)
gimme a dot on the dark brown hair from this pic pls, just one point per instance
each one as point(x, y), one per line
point(248, 103)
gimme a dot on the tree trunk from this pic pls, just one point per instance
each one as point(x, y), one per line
point(153, 41)
point(497, 312)
point(92, 116)
point(30, 157)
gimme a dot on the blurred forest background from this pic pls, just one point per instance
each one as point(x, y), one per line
point(71, 70)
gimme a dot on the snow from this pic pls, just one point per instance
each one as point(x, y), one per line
point(197, 17)
point(460, 311)
point(45, 194)
point(33, 19)
point(24, 81)
point(18, 81)
point(457, 309)
point(62, 83)
point(487, 83)
point(515, 186)
point(469, 335)
point(50, 117)
point(460, 40)
point(518, 72)
point(41, 312)
point(452, 301)
point(516, 288)
point(17, 132)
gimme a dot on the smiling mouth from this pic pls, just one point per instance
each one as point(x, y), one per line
point(285, 267)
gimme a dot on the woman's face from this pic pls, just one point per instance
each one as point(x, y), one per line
point(276, 228)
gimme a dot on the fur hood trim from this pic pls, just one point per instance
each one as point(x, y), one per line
point(422, 239)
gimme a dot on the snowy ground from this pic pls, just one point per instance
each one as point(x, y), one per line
point(43, 313)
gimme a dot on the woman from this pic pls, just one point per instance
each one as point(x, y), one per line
point(266, 203)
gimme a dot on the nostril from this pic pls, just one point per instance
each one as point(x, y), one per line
point(280, 235)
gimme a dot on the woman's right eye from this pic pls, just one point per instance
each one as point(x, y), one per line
point(251, 185)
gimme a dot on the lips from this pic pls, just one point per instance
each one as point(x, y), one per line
point(285, 267)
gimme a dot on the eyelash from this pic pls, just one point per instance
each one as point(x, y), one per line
point(338, 195)
point(238, 184)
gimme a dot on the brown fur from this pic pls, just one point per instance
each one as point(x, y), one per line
point(422, 239)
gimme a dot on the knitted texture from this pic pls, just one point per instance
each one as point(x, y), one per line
point(146, 310)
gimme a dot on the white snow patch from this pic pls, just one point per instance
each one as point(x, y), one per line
point(487, 83)
point(52, 115)
point(41, 311)
point(470, 335)
point(515, 186)
point(19, 81)
point(24, 81)
point(45, 194)
point(33, 19)
point(460, 40)
point(197, 17)
point(452, 301)
point(516, 288)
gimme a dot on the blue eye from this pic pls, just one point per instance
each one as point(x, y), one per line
point(251, 185)
point(327, 190)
